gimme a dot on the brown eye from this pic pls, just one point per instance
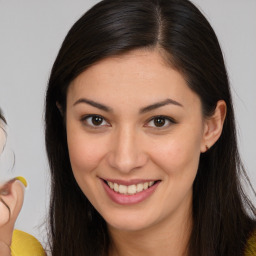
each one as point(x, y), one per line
point(159, 121)
point(94, 121)
point(97, 120)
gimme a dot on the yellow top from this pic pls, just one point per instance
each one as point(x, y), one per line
point(23, 244)
point(251, 246)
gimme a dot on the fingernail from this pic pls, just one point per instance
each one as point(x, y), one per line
point(22, 180)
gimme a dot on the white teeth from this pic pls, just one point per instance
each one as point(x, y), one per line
point(132, 189)
point(129, 190)
point(140, 187)
point(116, 187)
point(122, 189)
point(111, 184)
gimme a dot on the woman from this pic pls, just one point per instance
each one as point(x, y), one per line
point(141, 139)
point(13, 242)
point(11, 200)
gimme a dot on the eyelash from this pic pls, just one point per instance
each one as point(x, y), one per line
point(105, 122)
point(85, 119)
point(169, 120)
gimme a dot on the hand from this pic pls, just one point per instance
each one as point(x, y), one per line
point(11, 200)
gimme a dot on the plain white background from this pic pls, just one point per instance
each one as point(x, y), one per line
point(31, 32)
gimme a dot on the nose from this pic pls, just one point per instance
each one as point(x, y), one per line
point(126, 152)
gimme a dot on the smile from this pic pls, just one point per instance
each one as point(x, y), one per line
point(129, 192)
point(131, 189)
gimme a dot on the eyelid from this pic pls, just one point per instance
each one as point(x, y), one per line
point(168, 118)
point(84, 118)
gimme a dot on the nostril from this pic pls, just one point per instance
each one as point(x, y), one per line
point(125, 162)
point(6, 205)
point(5, 190)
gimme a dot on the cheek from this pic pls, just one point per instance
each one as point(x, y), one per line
point(84, 152)
point(2, 140)
point(179, 154)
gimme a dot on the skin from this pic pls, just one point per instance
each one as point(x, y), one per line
point(2, 136)
point(12, 196)
point(128, 146)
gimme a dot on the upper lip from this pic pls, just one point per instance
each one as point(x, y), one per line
point(129, 182)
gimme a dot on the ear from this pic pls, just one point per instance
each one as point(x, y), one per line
point(213, 126)
point(59, 108)
point(12, 196)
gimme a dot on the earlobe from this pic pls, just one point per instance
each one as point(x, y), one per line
point(213, 126)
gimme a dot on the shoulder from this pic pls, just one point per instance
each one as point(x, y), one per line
point(251, 246)
point(23, 244)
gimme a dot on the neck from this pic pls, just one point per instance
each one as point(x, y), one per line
point(170, 237)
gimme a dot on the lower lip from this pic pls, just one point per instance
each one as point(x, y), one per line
point(129, 199)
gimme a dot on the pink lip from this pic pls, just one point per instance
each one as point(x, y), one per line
point(129, 199)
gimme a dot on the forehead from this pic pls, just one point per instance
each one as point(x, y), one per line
point(137, 76)
point(138, 65)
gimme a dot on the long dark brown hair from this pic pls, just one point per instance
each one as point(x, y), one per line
point(223, 216)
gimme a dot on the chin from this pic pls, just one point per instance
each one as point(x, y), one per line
point(128, 226)
point(128, 223)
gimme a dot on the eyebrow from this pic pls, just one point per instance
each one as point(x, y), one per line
point(94, 104)
point(142, 110)
point(160, 104)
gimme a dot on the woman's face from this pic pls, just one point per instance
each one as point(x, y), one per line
point(135, 134)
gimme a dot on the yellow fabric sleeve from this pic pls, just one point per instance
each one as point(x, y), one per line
point(23, 244)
